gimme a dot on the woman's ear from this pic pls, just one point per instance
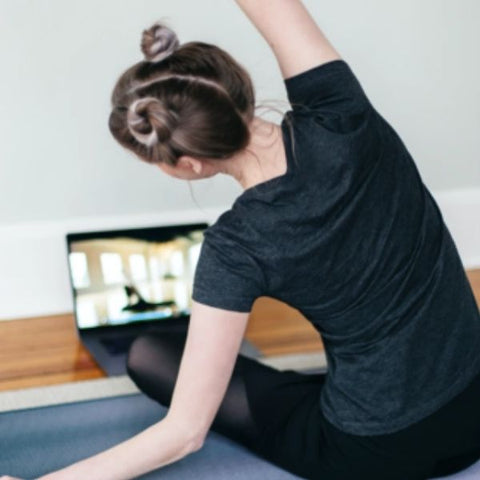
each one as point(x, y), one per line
point(187, 162)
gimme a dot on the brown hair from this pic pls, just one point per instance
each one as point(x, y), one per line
point(192, 99)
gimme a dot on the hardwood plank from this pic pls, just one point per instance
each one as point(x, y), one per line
point(49, 379)
point(43, 351)
point(474, 278)
point(275, 328)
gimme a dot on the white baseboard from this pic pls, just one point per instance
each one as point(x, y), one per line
point(461, 212)
point(33, 264)
point(70, 392)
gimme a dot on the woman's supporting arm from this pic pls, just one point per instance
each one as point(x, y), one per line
point(213, 342)
point(295, 38)
point(158, 445)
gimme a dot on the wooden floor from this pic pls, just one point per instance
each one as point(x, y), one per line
point(46, 350)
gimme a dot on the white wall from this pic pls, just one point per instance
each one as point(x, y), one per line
point(418, 61)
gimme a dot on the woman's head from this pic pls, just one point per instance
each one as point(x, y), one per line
point(189, 100)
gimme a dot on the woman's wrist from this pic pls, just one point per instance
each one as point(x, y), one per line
point(149, 450)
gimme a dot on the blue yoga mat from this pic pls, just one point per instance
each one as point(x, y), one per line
point(39, 440)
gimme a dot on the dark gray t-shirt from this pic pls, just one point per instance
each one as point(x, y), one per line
point(352, 238)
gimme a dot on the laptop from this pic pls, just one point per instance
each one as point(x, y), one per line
point(133, 281)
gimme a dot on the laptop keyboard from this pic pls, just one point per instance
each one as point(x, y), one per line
point(118, 345)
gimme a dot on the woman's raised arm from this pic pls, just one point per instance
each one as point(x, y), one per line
point(295, 38)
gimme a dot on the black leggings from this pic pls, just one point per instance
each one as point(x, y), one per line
point(276, 414)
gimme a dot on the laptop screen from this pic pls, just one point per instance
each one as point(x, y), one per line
point(136, 275)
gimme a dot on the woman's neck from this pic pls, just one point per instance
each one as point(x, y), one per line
point(263, 159)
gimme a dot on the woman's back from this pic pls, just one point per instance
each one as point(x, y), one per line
point(351, 237)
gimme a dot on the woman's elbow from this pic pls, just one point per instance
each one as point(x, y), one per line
point(197, 444)
point(193, 436)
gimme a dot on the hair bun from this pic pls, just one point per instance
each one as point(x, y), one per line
point(158, 42)
point(149, 122)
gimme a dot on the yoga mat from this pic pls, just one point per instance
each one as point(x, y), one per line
point(39, 440)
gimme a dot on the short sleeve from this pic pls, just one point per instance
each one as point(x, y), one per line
point(332, 93)
point(227, 276)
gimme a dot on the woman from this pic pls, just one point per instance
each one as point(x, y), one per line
point(334, 220)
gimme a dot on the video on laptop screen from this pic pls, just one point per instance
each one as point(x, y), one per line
point(135, 275)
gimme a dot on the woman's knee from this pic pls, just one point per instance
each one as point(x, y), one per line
point(153, 362)
point(137, 355)
point(149, 348)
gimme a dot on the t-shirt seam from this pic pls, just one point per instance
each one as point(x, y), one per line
point(234, 304)
point(339, 65)
point(253, 258)
point(200, 291)
point(328, 71)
